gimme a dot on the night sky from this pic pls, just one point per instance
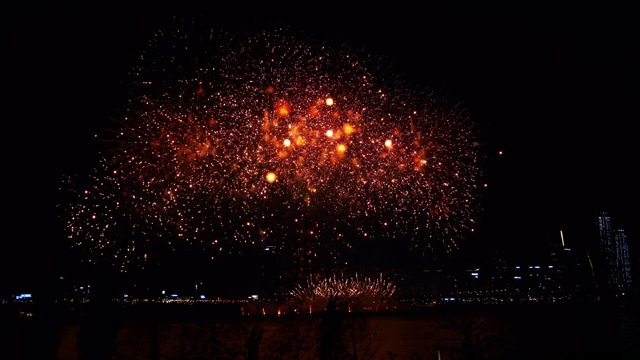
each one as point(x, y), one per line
point(554, 87)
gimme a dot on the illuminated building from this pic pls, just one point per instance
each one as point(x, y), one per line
point(614, 253)
point(623, 266)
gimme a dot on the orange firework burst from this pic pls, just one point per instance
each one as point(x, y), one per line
point(268, 139)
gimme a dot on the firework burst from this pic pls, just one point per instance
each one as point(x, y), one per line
point(270, 138)
point(344, 289)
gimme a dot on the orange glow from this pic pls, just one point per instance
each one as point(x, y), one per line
point(202, 150)
point(341, 148)
point(283, 109)
point(348, 129)
point(282, 154)
point(419, 161)
point(271, 177)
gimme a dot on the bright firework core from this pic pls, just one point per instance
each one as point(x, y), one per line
point(232, 143)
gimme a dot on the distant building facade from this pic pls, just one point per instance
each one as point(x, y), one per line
point(614, 253)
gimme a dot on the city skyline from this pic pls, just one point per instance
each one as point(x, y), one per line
point(550, 98)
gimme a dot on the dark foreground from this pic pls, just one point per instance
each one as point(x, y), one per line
point(166, 331)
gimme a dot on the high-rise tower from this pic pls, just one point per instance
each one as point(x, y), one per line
point(623, 265)
point(614, 253)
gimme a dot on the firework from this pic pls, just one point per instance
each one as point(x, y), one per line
point(275, 139)
point(344, 289)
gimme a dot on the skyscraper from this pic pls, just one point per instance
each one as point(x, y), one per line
point(614, 253)
point(623, 265)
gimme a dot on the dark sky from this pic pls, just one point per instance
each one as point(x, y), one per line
point(552, 85)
